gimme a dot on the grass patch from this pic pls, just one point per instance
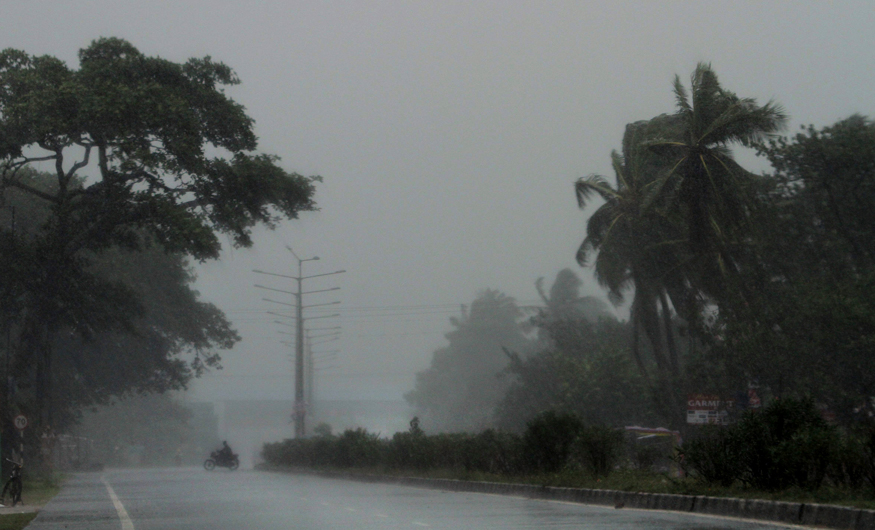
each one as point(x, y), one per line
point(15, 521)
point(37, 492)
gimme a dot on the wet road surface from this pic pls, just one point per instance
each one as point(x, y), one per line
point(194, 499)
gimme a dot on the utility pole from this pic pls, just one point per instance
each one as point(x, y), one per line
point(300, 408)
point(309, 355)
point(311, 382)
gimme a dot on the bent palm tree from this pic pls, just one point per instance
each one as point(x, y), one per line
point(636, 248)
point(703, 184)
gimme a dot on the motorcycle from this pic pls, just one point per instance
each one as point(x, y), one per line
point(218, 460)
point(13, 485)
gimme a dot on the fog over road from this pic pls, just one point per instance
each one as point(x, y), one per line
point(221, 500)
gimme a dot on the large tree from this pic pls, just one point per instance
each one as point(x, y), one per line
point(168, 336)
point(461, 388)
point(140, 147)
point(583, 365)
point(809, 327)
point(636, 248)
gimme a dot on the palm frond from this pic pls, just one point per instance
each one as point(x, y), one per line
point(745, 122)
point(620, 169)
point(583, 252)
point(600, 224)
point(707, 99)
point(681, 97)
point(612, 270)
point(654, 190)
point(597, 228)
point(661, 145)
point(585, 187)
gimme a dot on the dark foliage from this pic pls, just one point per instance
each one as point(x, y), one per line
point(599, 449)
point(548, 439)
point(786, 444)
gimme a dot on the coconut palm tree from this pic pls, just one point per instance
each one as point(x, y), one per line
point(703, 184)
point(636, 249)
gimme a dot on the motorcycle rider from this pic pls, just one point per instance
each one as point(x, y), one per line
point(225, 454)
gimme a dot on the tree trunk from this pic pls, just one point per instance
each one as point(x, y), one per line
point(636, 347)
point(645, 307)
point(669, 334)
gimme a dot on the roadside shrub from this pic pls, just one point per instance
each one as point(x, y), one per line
point(599, 449)
point(357, 448)
point(645, 456)
point(288, 453)
point(787, 444)
point(447, 450)
point(411, 449)
point(849, 462)
point(491, 451)
point(320, 450)
point(548, 440)
point(867, 442)
point(714, 456)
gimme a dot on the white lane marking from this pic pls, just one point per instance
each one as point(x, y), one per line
point(127, 524)
point(347, 508)
point(417, 523)
point(380, 515)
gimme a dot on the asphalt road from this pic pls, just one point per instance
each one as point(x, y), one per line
point(194, 499)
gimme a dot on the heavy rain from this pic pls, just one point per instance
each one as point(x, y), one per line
point(355, 264)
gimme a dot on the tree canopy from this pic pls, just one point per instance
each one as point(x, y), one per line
point(461, 388)
point(148, 126)
point(145, 153)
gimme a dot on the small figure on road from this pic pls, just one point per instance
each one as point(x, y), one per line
point(225, 453)
point(224, 457)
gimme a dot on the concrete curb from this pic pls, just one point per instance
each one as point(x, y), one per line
point(817, 515)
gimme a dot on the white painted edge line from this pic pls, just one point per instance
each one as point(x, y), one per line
point(123, 516)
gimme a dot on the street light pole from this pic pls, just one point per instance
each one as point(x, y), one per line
point(300, 403)
point(300, 412)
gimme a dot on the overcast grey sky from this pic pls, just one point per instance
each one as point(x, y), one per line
point(449, 135)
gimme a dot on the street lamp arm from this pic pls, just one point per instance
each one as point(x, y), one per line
point(323, 335)
point(278, 302)
point(324, 316)
point(317, 305)
point(277, 290)
point(274, 274)
point(322, 290)
point(284, 315)
point(317, 275)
